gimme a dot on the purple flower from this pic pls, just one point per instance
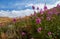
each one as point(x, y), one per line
point(39, 29)
point(49, 33)
point(14, 19)
point(38, 20)
point(58, 5)
point(48, 18)
point(35, 13)
point(41, 11)
point(23, 33)
point(54, 10)
point(45, 7)
point(50, 12)
point(37, 8)
point(55, 13)
point(33, 7)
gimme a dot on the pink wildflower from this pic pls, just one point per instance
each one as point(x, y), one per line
point(14, 20)
point(33, 7)
point(50, 12)
point(38, 20)
point(56, 13)
point(34, 13)
point(23, 33)
point(54, 10)
point(45, 7)
point(41, 11)
point(39, 29)
point(48, 18)
point(49, 33)
point(58, 5)
point(37, 8)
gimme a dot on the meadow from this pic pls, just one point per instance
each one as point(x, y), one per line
point(40, 25)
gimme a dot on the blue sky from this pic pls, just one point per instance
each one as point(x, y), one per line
point(21, 8)
point(20, 4)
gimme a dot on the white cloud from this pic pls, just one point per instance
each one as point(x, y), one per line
point(15, 13)
point(57, 3)
point(29, 5)
point(22, 13)
point(41, 5)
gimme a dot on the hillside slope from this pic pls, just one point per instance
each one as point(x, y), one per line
point(5, 20)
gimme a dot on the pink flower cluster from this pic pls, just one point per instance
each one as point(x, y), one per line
point(34, 13)
point(14, 20)
point(41, 12)
point(58, 5)
point(39, 29)
point(45, 8)
point(33, 7)
point(49, 33)
point(23, 33)
point(48, 18)
point(38, 20)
